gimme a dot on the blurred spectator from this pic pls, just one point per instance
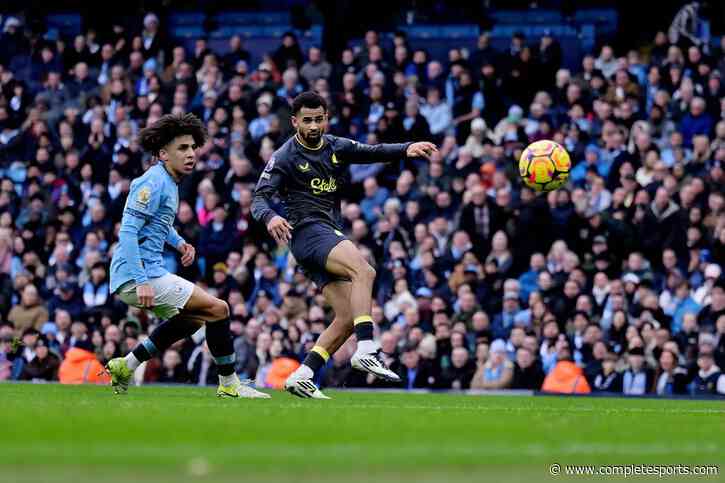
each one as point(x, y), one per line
point(566, 377)
point(670, 378)
point(460, 372)
point(608, 379)
point(527, 371)
point(709, 379)
point(497, 372)
point(315, 67)
point(30, 312)
point(172, 369)
point(638, 378)
point(80, 366)
point(43, 366)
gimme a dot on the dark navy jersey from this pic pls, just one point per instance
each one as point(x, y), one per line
point(310, 182)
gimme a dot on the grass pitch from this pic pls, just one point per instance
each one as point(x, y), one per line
point(84, 434)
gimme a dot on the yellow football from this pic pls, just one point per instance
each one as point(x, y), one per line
point(544, 166)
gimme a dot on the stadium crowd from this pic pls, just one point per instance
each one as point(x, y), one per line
point(613, 284)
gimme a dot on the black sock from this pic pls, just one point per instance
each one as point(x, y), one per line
point(142, 353)
point(314, 361)
point(169, 331)
point(219, 340)
point(363, 327)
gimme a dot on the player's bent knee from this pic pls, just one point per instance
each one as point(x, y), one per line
point(371, 271)
point(368, 272)
point(363, 271)
point(219, 310)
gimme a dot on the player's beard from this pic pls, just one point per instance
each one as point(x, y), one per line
point(310, 140)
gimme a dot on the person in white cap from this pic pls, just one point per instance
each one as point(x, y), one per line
point(11, 25)
point(151, 44)
point(702, 294)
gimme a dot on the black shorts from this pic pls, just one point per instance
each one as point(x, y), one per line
point(311, 244)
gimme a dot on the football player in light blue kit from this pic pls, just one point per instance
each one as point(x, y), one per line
point(138, 275)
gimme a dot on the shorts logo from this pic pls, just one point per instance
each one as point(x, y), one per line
point(304, 167)
point(338, 233)
point(320, 186)
point(144, 196)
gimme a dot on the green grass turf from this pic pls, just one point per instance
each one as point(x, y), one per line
point(53, 433)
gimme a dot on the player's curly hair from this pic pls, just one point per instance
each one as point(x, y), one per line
point(309, 99)
point(158, 135)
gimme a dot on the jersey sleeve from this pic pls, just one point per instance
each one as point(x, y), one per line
point(173, 238)
point(144, 198)
point(270, 182)
point(353, 152)
point(142, 203)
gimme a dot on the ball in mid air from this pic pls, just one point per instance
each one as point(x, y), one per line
point(544, 166)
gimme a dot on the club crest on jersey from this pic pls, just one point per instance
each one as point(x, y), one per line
point(304, 167)
point(320, 185)
point(144, 196)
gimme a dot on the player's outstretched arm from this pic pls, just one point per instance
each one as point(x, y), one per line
point(421, 150)
point(358, 153)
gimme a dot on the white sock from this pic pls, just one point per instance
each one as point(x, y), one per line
point(228, 380)
point(131, 361)
point(367, 346)
point(306, 371)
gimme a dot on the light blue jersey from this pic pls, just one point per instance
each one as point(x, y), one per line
point(147, 224)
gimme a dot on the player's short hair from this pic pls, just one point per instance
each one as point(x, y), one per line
point(310, 100)
point(170, 126)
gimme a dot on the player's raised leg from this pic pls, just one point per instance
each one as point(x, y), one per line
point(301, 382)
point(345, 260)
point(216, 313)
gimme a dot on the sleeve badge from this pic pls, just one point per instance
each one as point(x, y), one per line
point(144, 196)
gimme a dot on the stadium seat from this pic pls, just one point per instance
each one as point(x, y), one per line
point(181, 19)
point(187, 32)
point(533, 31)
point(459, 31)
point(65, 23)
point(253, 18)
point(596, 15)
point(534, 16)
point(249, 31)
point(588, 36)
point(442, 31)
point(603, 18)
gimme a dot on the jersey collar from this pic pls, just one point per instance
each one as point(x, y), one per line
point(317, 148)
point(163, 167)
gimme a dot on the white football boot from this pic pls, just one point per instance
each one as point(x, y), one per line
point(300, 384)
point(240, 389)
point(372, 362)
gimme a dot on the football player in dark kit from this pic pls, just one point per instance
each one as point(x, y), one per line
point(309, 173)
